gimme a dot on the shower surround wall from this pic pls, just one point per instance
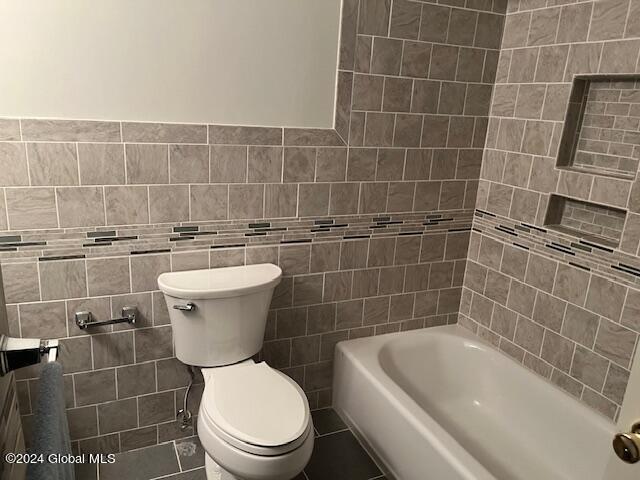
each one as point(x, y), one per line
point(567, 309)
point(370, 222)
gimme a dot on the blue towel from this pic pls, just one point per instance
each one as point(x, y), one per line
point(50, 427)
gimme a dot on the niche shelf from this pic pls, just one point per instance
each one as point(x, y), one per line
point(602, 127)
point(589, 221)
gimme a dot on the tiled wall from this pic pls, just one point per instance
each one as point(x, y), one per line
point(592, 219)
point(11, 436)
point(608, 140)
point(369, 221)
point(565, 307)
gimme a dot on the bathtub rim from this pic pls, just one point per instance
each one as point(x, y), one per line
point(362, 351)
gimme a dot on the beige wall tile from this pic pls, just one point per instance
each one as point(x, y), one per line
point(43, 320)
point(299, 164)
point(349, 26)
point(374, 17)
point(63, 279)
point(118, 415)
point(145, 270)
point(386, 56)
point(362, 164)
point(168, 203)
point(101, 164)
point(95, 387)
point(313, 199)
point(543, 26)
point(21, 282)
point(246, 201)
point(331, 164)
point(434, 23)
point(13, 164)
point(557, 350)
point(265, 164)
point(31, 208)
point(367, 92)
point(108, 276)
point(80, 206)
point(163, 133)
point(294, 259)
point(379, 129)
point(310, 137)
point(571, 284)
point(608, 20)
point(52, 163)
point(373, 197)
point(134, 380)
point(280, 200)
point(153, 343)
point(344, 198)
point(228, 164)
point(589, 368)
point(70, 130)
point(232, 135)
point(615, 342)
point(126, 205)
point(208, 202)
point(9, 129)
point(580, 325)
point(188, 163)
point(147, 163)
point(405, 19)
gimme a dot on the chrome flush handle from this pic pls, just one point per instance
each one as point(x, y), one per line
point(188, 307)
point(627, 445)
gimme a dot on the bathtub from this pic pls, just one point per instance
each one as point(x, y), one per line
point(440, 404)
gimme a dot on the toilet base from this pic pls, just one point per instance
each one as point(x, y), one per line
point(215, 471)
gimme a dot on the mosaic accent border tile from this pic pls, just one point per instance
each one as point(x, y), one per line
point(136, 240)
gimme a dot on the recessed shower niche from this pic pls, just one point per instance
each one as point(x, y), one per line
point(592, 222)
point(602, 127)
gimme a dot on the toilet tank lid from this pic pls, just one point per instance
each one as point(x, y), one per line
point(220, 282)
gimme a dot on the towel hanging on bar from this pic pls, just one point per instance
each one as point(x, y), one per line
point(50, 427)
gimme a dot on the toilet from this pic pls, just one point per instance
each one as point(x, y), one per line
point(254, 421)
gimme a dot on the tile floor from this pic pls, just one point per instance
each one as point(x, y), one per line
point(337, 455)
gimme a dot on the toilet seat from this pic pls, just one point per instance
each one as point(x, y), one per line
point(256, 409)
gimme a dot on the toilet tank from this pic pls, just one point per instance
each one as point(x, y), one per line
point(219, 315)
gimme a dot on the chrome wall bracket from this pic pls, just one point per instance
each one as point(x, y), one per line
point(22, 352)
point(85, 319)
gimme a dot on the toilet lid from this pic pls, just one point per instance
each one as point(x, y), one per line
point(257, 405)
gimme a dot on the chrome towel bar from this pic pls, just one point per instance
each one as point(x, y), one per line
point(85, 319)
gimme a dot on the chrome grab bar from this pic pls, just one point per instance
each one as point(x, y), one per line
point(188, 307)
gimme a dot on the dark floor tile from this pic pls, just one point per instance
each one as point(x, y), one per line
point(86, 471)
point(190, 453)
point(339, 456)
point(327, 420)
point(198, 474)
point(142, 464)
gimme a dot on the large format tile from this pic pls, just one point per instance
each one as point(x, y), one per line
point(197, 474)
point(190, 453)
point(326, 420)
point(142, 464)
point(339, 456)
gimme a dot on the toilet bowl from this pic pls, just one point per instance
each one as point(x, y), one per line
point(254, 421)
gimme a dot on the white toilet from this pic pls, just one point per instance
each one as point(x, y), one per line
point(254, 421)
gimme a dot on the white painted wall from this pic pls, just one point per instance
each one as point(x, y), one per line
point(245, 62)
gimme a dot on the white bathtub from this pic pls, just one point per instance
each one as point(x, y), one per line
point(440, 404)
